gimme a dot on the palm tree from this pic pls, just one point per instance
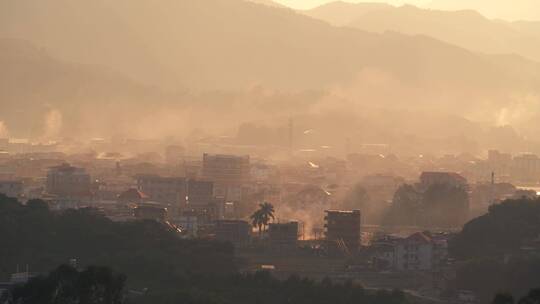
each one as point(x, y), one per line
point(262, 216)
point(256, 221)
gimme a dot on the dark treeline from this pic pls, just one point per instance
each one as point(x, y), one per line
point(440, 206)
point(531, 298)
point(147, 252)
point(159, 266)
point(101, 285)
point(497, 252)
point(68, 285)
point(262, 288)
point(506, 228)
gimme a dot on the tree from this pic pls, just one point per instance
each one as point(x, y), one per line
point(445, 206)
point(357, 198)
point(503, 298)
point(94, 285)
point(37, 205)
point(150, 253)
point(262, 216)
point(162, 268)
point(406, 207)
point(533, 297)
point(503, 230)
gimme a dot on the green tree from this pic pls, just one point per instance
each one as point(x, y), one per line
point(262, 216)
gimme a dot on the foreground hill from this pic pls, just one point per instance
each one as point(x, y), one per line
point(146, 251)
point(159, 266)
point(499, 250)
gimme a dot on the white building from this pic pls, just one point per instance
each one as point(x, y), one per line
point(418, 252)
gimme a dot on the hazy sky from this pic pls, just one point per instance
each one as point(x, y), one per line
point(503, 9)
point(303, 4)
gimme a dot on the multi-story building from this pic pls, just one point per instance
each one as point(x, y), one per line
point(229, 169)
point(234, 231)
point(420, 252)
point(526, 168)
point(500, 163)
point(183, 195)
point(229, 173)
point(68, 181)
point(170, 190)
point(344, 229)
point(428, 179)
point(283, 235)
point(199, 191)
point(414, 253)
point(205, 211)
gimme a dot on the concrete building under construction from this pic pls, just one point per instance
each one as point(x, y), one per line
point(234, 231)
point(342, 230)
point(283, 236)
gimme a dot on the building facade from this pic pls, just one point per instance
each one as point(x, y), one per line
point(229, 173)
point(186, 197)
point(283, 236)
point(420, 252)
point(344, 229)
point(68, 181)
point(234, 231)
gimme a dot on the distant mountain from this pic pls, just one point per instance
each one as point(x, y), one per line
point(341, 13)
point(528, 27)
point(464, 28)
point(234, 44)
point(224, 46)
point(267, 3)
point(33, 84)
point(503, 9)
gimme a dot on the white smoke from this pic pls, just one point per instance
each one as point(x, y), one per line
point(4, 132)
point(53, 124)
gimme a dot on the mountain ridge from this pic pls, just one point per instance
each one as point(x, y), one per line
point(232, 46)
point(466, 28)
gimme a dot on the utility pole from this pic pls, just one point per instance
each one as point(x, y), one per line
point(492, 189)
point(291, 126)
